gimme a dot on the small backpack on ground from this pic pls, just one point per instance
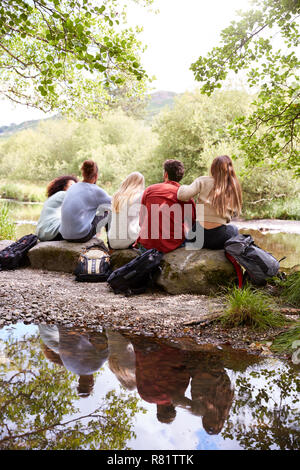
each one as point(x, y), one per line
point(258, 263)
point(15, 255)
point(94, 264)
point(135, 276)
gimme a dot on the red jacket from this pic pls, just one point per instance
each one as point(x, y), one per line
point(162, 217)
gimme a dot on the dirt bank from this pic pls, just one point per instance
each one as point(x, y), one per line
point(33, 296)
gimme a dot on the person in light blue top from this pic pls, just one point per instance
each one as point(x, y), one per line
point(86, 207)
point(48, 225)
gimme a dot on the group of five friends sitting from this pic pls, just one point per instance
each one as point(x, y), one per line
point(164, 216)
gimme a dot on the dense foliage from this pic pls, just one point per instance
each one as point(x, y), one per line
point(263, 43)
point(68, 55)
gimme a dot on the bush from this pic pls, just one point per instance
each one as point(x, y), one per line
point(251, 307)
point(269, 193)
point(7, 227)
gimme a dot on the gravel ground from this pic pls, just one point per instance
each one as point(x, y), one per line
point(33, 296)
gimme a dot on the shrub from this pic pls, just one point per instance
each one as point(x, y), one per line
point(251, 307)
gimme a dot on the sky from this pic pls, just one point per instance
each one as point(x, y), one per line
point(175, 38)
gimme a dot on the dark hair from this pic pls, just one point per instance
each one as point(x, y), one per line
point(175, 169)
point(166, 413)
point(89, 169)
point(59, 184)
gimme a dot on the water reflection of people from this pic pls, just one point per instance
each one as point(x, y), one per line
point(82, 353)
point(211, 392)
point(161, 376)
point(121, 359)
point(161, 373)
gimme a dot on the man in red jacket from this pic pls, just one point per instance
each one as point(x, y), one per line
point(164, 220)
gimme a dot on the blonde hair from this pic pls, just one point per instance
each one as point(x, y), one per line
point(128, 190)
point(125, 375)
point(226, 194)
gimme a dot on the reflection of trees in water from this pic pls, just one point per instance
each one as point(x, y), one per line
point(38, 406)
point(38, 398)
point(265, 413)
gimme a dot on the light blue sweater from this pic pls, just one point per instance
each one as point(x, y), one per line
point(79, 209)
point(49, 222)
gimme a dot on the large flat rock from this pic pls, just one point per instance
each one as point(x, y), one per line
point(61, 256)
point(121, 257)
point(195, 271)
point(183, 271)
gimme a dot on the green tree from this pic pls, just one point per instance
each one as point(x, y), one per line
point(68, 54)
point(194, 130)
point(264, 44)
point(118, 143)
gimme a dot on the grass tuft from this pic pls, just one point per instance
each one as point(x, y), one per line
point(251, 307)
point(291, 289)
point(7, 226)
point(284, 341)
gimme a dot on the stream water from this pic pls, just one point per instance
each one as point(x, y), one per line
point(66, 388)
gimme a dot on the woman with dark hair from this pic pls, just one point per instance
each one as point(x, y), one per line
point(218, 198)
point(79, 222)
point(49, 222)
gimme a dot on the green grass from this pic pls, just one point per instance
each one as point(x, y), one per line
point(251, 307)
point(7, 226)
point(284, 341)
point(291, 289)
point(23, 191)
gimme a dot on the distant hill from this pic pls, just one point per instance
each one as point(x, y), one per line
point(6, 131)
point(158, 100)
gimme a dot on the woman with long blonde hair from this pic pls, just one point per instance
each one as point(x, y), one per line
point(124, 227)
point(218, 198)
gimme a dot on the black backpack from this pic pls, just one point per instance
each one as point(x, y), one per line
point(94, 264)
point(258, 263)
point(15, 255)
point(135, 276)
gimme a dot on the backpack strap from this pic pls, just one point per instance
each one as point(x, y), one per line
point(237, 267)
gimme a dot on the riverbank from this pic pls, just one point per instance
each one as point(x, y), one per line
point(35, 296)
point(269, 225)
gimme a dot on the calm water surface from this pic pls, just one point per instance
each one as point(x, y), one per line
point(84, 389)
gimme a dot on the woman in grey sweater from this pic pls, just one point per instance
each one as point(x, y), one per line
point(79, 222)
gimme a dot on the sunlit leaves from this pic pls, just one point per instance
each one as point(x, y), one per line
point(56, 54)
point(263, 43)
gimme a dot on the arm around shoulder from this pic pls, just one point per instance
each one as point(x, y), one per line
point(187, 191)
